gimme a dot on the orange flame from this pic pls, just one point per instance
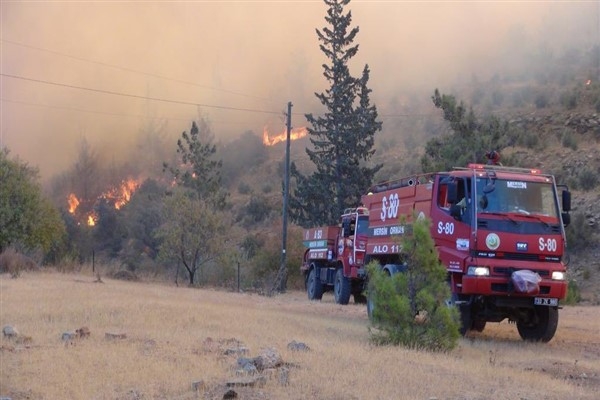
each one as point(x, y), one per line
point(73, 203)
point(295, 134)
point(121, 194)
point(91, 221)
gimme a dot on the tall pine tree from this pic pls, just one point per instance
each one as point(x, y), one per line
point(342, 139)
point(198, 170)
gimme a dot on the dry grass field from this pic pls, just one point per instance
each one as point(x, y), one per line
point(177, 336)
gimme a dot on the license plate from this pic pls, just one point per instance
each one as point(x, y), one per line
point(544, 301)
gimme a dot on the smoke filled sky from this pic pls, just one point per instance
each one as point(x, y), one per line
point(105, 71)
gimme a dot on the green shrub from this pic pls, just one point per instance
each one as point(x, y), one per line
point(573, 293)
point(569, 100)
point(569, 140)
point(596, 132)
point(529, 139)
point(586, 274)
point(256, 211)
point(580, 234)
point(244, 188)
point(587, 179)
point(410, 307)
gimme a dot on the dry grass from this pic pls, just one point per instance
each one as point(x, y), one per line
point(165, 349)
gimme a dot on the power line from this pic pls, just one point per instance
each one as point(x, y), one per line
point(134, 70)
point(385, 116)
point(140, 97)
point(98, 112)
point(86, 111)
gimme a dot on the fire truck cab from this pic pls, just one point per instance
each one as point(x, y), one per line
point(335, 257)
point(499, 232)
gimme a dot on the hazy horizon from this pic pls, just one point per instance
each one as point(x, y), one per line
point(104, 71)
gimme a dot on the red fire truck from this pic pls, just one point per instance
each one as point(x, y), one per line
point(499, 231)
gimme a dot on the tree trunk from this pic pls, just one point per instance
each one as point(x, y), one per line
point(280, 284)
point(192, 275)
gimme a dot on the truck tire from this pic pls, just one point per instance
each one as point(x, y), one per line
point(542, 325)
point(465, 313)
point(478, 325)
point(341, 288)
point(314, 288)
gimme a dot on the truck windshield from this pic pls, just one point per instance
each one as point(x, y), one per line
point(524, 197)
point(362, 225)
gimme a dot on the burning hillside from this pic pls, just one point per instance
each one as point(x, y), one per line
point(117, 196)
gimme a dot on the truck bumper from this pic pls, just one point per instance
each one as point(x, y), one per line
point(498, 286)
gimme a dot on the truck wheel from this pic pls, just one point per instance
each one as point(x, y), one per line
point(478, 325)
point(341, 288)
point(465, 314)
point(314, 288)
point(542, 325)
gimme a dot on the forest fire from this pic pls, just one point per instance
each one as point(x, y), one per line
point(295, 134)
point(118, 196)
point(121, 194)
point(73, 203)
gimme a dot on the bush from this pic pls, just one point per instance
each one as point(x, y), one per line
point(569, 140)
point(267, 188)
point(14, 263)
point(529, 139)
point(587, 274)
point(256, 211)
point(587, 179)
point(244, 188)
point(580, 234)
point(410, 307)
point(573, 293)
point(568, 100)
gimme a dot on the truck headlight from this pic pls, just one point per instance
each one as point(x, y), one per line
point(558, 276)
point(478, 271)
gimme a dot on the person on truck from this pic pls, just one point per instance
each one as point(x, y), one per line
point(464, 193)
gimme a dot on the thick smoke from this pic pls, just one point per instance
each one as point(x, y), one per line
point(241, 62)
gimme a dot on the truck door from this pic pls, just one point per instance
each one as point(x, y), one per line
point(451, 214)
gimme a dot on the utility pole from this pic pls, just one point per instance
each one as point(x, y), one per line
point(281, 279)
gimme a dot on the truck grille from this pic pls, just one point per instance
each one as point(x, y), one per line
point(515, 256)
point(509, 270)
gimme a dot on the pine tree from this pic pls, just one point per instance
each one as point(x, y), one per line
point(342, 139)
point(198, 169)
point(470, 139)
point(410, 307)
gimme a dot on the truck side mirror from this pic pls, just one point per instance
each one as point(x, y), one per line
point(566, 200)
